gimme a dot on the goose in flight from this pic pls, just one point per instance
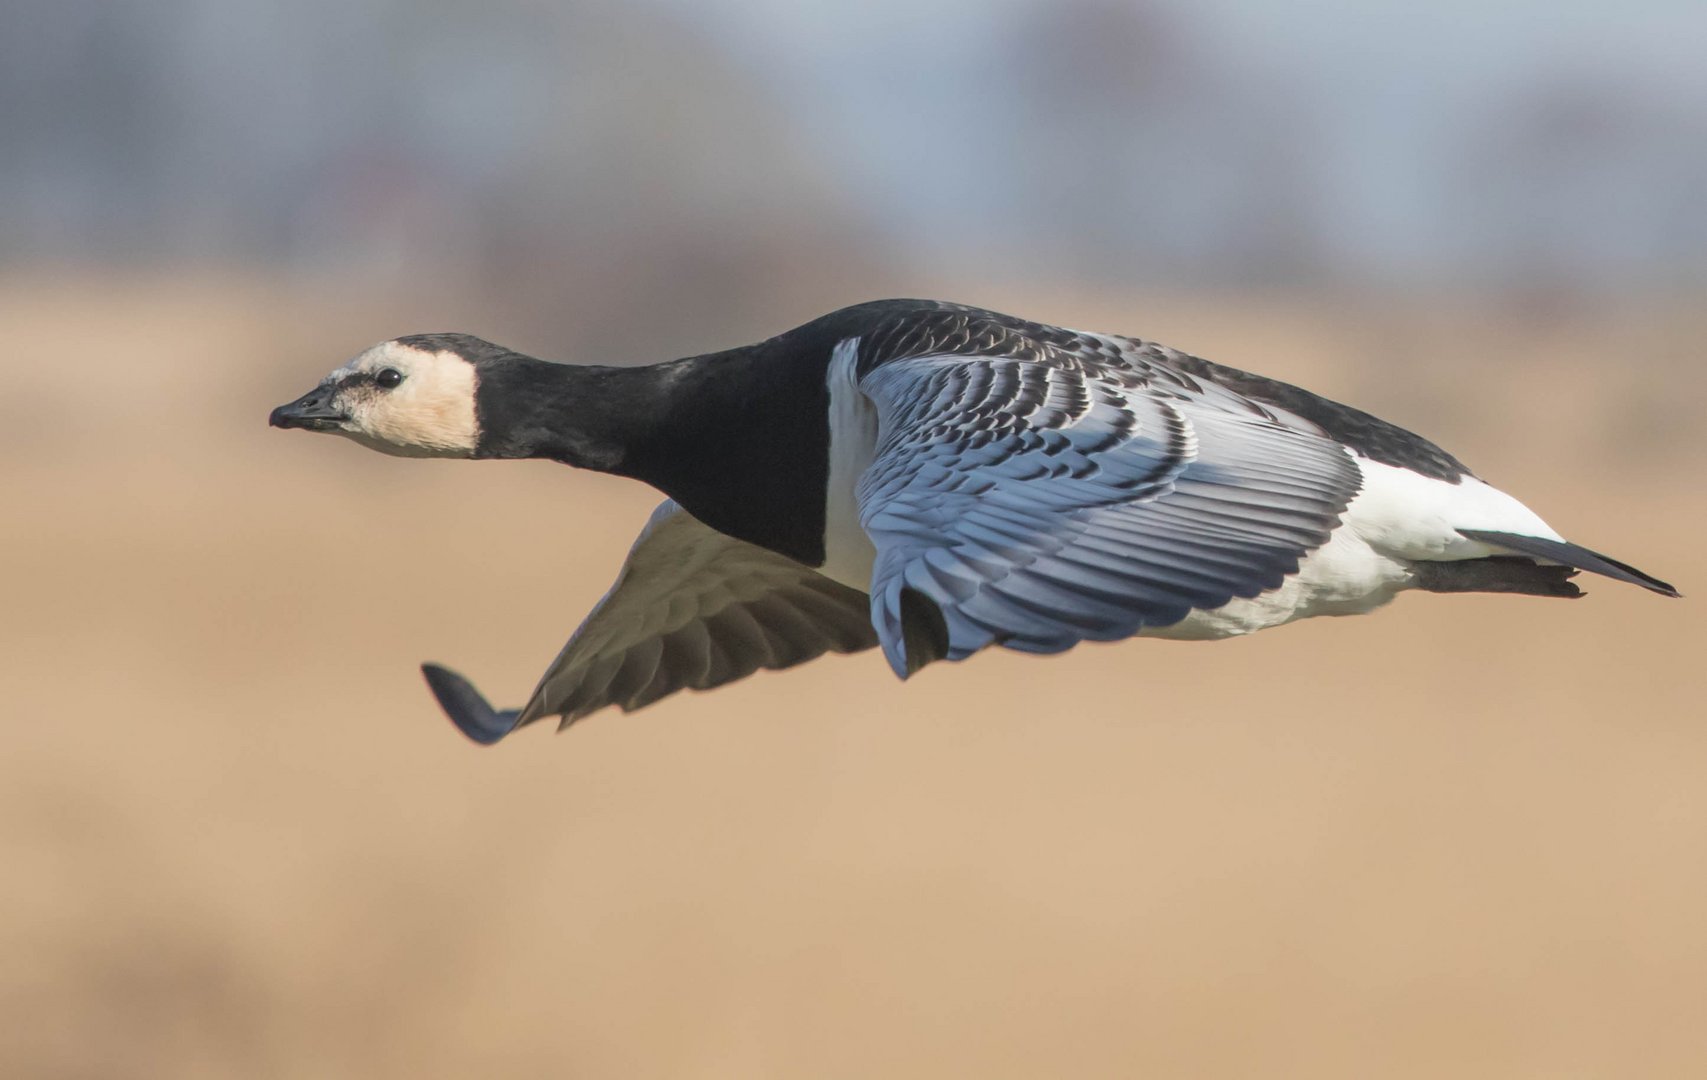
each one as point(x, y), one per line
point(934, 479)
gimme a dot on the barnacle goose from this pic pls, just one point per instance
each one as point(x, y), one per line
point(934, 479)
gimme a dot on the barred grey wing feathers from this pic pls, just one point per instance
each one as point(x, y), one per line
point(1036, 503)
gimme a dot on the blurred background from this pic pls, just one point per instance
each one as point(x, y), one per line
point(1465, 837)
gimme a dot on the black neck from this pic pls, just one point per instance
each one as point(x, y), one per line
point(589, 417)
point(740, 439)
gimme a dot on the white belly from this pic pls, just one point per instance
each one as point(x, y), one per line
point(1396, 518)
point(1345, 576)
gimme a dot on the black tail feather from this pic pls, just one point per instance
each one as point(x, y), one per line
point(1497, 574)
point(1571, 555)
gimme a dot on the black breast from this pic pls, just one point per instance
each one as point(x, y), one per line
point(744, 443)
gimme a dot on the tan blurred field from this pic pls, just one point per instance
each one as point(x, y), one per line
point(1466, 837)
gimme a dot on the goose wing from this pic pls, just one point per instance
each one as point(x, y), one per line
point(690, 609)
point(1039, 501)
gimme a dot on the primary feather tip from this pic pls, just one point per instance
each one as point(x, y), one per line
point(467, 708)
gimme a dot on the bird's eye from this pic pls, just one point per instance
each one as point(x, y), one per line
point(388, 378)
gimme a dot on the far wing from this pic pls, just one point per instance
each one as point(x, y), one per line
point(691, 609)
point(1035, 505)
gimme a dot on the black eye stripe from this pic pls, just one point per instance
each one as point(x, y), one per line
point(384, 379)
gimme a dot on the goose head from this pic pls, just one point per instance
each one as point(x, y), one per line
point(409, 397)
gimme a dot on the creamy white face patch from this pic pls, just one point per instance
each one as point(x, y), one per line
point(407, 401)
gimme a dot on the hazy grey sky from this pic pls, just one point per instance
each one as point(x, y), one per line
point(1217, 137)
point(1388, 92)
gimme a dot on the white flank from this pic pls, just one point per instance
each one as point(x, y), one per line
point(848, 551)
point(1410, 516)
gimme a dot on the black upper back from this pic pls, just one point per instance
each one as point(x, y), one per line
point(1370, 436)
